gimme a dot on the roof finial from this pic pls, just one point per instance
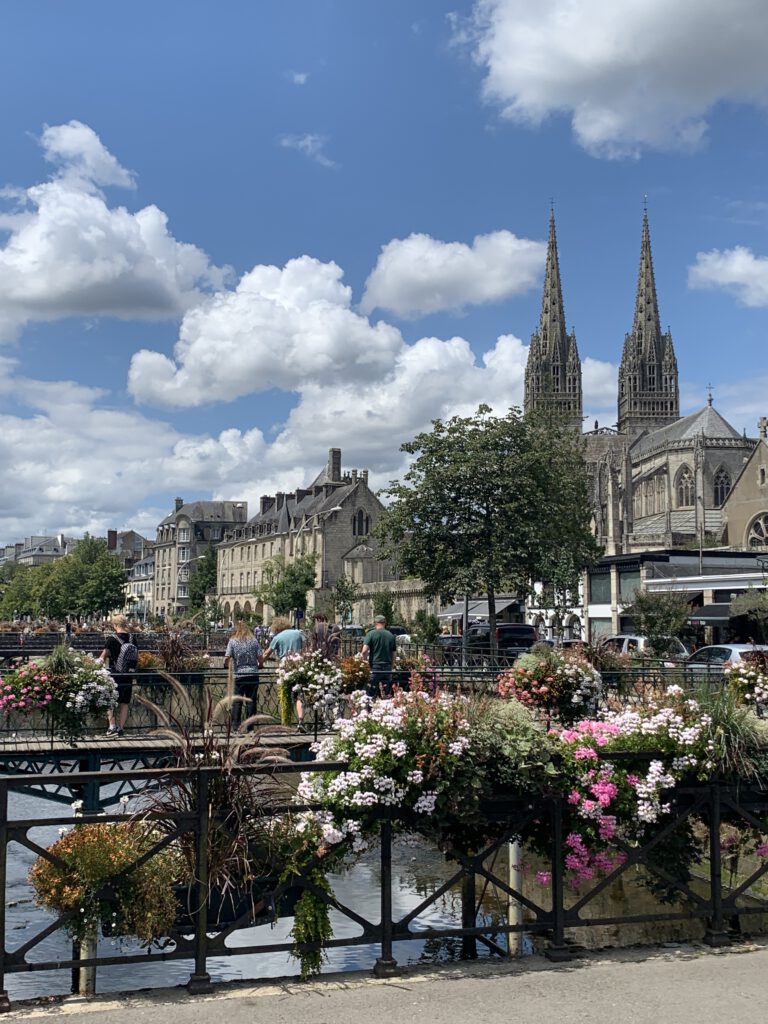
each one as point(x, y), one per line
point(709, 394)
point(645, 201)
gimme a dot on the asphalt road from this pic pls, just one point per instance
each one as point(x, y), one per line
point(686, 985)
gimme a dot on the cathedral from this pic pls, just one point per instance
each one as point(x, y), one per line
point(658, 480)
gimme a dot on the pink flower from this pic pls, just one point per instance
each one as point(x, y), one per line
point(574, 797)
point(584, 753)
point(543, 877)
point(762, 850)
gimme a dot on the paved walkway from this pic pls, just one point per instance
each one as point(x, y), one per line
point(687, 985)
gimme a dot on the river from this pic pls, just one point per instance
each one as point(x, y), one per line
point(416, 871)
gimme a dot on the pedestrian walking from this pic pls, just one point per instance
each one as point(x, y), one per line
point(121, 657)
point(379, 647)
point(245, 656)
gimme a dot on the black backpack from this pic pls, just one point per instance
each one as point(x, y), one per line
point(128, 657)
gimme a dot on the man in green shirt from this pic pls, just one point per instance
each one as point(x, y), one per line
point(379, 647)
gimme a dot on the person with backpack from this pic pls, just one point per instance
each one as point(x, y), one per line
point(121, 657)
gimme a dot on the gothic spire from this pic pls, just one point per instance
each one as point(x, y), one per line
point(647, 326)
point(648, 384)
point(552, 332)
point(553, 372)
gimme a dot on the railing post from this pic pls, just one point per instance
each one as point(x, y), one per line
point(716, 933)
point(386, 965)
point(468, 916)
point(5, 1003)
point(200, 981)
point(558, 951)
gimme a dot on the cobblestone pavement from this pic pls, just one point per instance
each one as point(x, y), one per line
point(664, 986)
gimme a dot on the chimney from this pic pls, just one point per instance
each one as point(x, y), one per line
point(354, 476)
point(266, 503)
point(112, 540)
point(178, 502)
point(334, 464)
point(364, 474)
point(279, 499)
point(762, 426)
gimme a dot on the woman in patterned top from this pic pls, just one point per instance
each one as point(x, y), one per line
point(245, 654)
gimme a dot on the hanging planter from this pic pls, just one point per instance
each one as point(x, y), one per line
point(228, 906)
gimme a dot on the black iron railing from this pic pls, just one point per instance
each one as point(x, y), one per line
point(718, 904)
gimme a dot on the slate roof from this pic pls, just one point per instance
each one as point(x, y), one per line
point(209, 512)
point(706, 421)
point(681, 521)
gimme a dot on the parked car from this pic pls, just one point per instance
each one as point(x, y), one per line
point(630, 643)
point(357, 632)
point(398, 630)
point(512, 638)
point(720, 657)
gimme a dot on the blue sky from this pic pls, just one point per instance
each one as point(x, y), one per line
point(315, 132)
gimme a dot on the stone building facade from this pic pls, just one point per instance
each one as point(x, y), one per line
point(183, 537)
point(333, 518)
point(658, 481)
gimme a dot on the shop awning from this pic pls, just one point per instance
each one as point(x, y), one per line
point(710, 615)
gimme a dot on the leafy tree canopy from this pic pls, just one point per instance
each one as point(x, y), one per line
point(203, 580)
point(344, 593)
point(285, 586)
point(658, 617)
point(491, 503)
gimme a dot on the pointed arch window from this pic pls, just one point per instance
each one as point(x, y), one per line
point(722, 485)
point(684, 487)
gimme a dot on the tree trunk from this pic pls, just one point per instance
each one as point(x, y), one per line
point(492, 625)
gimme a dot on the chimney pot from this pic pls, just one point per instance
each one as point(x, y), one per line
point(178, 503)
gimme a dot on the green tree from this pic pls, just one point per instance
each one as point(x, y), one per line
point(203, 580)
point(97, 575)
point(344, 593)
point(285, 585)
point(753, 605)
point(425, 628)
point(490, 504)
point(17, 595)
point(383, 604)
point(658, 617)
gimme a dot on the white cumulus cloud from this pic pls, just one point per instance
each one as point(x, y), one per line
point(737, 271)
point(420, 274)
point(69, 253)
point(280, 327)
point(629, 74)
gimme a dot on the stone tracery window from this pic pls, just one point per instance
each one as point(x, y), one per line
point(684, 487)
point(722, 485)
point(757, 536)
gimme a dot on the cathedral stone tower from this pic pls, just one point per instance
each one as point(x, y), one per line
point(648, 389)
point(553, 373)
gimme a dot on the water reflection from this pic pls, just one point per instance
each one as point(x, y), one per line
point(416, 872)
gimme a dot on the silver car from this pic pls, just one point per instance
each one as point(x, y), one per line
point(719, 657)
